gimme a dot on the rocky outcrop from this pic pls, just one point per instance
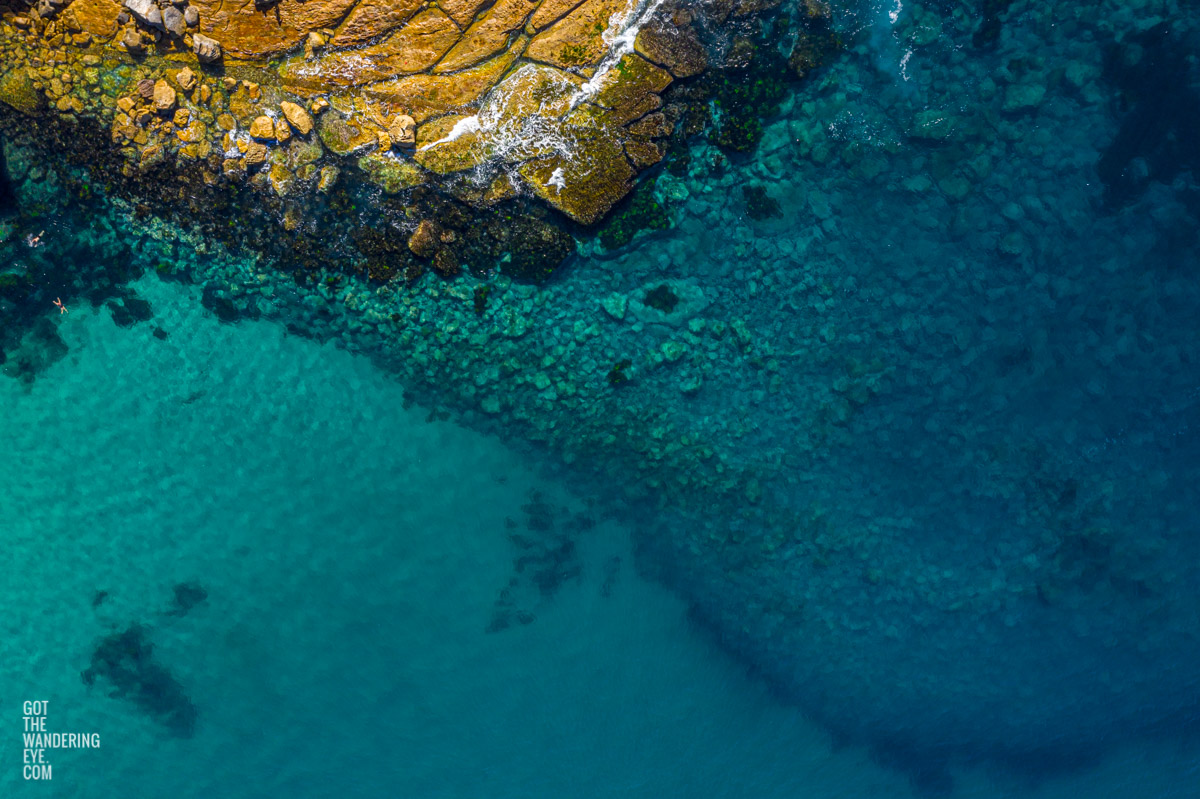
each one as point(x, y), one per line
point(414, 90)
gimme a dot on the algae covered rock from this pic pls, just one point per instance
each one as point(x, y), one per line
point(343, 136)
point(17, 92)
point(390, 173)
point(451, 144)
point(673, 47)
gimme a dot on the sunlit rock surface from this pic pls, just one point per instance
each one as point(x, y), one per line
point(558, 96)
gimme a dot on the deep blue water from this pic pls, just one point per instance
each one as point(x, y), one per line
point(257, 564)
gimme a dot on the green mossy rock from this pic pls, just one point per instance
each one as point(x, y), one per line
point(17, 92)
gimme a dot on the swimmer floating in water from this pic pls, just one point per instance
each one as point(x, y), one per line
point(35, 241)
point(58, 303)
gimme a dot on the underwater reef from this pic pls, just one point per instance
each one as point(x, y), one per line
point(887, 351)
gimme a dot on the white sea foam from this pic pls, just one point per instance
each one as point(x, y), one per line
point(508, 138)
point(462, 127)
point(622, 31)
point(557, 180)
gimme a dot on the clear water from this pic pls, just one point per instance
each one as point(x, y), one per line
point(970, 388)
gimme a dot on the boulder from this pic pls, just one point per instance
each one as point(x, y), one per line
point(143, 9)
point(424, 241)
point(206, 49)
point(256, 153)
point(263, 128)
point(17, 91)
point(99, 18)
point(191, 17)
point(164, 95)
point(186, 79)
point(172, 21)
point(297, 117)
point(403, 130)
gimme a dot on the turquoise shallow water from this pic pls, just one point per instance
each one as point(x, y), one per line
point(352, 552)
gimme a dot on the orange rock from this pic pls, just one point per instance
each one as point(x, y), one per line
point(415, 47)
point(428, 96)
point(370, 18)
point(577, 39)
point(263, 127)
point(297, 116)
point(97, 17)
point(551, 11)
point(256, 153)
point(488, 36)
point(462, 11)
point(164, 95)
point(403, 130)
point(246, 31)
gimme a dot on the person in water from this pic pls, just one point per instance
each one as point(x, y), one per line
point(58, 303)
point(35, 241)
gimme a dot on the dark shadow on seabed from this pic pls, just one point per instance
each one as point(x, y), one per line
point(8, 200)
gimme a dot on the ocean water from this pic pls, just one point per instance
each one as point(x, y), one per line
point(950, 370)
point(352, 552)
